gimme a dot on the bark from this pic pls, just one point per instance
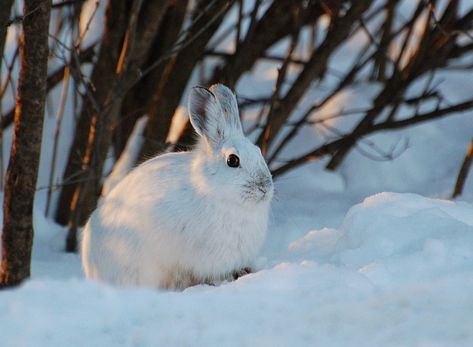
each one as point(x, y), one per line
point(17, 237)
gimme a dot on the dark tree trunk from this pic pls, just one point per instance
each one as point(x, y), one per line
point(177, 73)
point(140, 31)
point(17, 237)
point(103, 78)
point(137, 100)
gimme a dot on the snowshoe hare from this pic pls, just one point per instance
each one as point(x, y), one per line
point(181, 219)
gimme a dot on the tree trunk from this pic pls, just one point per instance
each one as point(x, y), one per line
point(137, 100)
point(177, 73)
point(103, 78)
point(17, 237)
point(135, 47)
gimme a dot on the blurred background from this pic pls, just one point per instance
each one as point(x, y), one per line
point(346, 86)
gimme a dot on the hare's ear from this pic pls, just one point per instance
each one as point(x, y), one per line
point(229, 105)
point(205, 115)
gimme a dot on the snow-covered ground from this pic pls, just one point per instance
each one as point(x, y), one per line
point(369, 255)
point(398, 271)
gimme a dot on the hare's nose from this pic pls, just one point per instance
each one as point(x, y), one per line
point(264, 183)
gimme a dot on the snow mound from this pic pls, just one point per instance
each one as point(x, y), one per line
point(392, 238)
point(395, 239)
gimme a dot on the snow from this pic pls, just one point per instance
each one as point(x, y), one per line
point(370, 255)
point(397, 272)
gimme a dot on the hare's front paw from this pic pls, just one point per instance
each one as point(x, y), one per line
point(241, 272)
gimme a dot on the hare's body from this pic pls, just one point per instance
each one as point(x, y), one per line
point(185, 218)
point(179, 254)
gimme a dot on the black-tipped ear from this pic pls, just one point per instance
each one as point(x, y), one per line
point(229, 105)
point(205, 114)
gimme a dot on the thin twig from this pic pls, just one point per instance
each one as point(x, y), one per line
point(464, 170)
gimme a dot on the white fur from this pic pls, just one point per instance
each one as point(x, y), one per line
point(185, 218)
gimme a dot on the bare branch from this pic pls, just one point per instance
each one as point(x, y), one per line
point(54, 78)
point(334, 146)
point(315, 67)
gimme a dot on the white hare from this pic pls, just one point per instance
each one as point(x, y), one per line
point(186, 218)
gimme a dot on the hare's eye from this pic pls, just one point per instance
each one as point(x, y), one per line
point(233, 160)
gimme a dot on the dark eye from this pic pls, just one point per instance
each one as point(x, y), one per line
point(233, 160)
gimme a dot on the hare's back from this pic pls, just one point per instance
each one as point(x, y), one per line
point(148, 191)
point(164, 174)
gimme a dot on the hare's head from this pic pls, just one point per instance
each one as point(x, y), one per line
point(227, 164)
